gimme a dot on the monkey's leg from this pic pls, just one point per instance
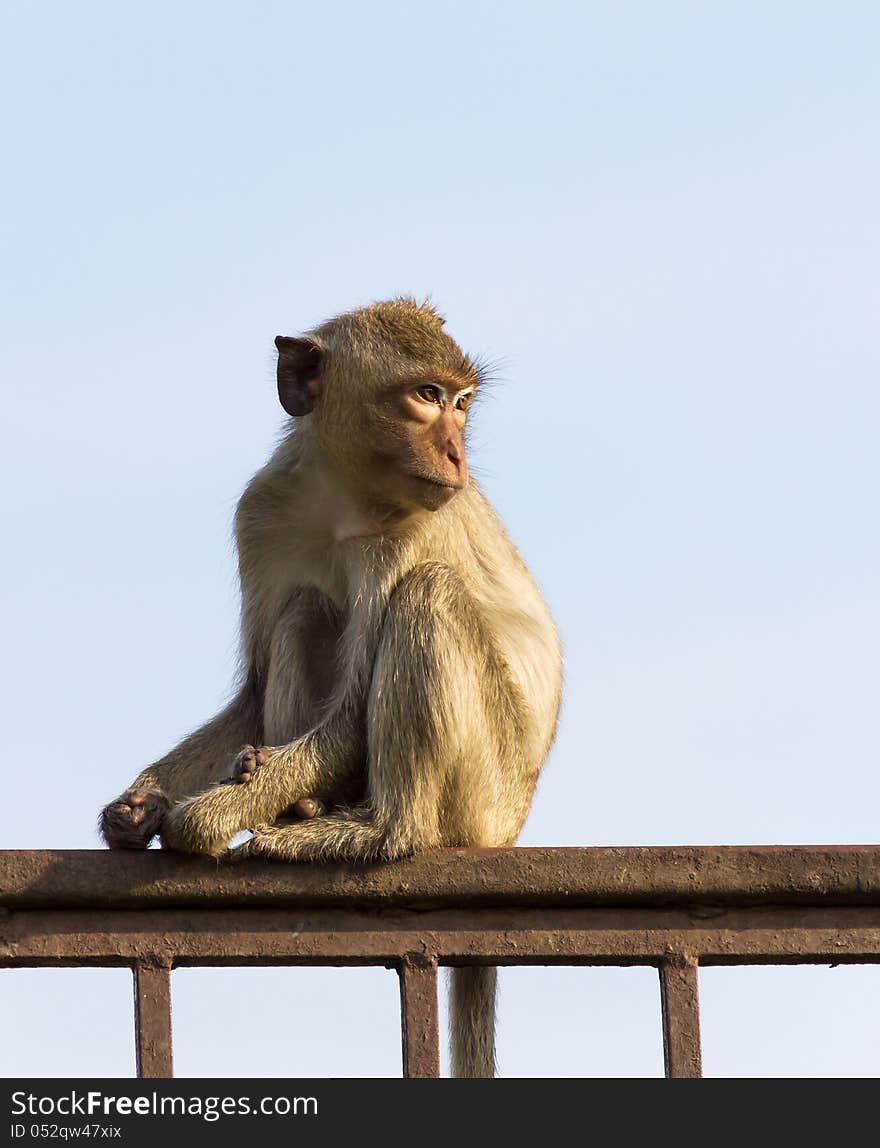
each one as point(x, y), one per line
point(205, 757)
point(312, 751)
point(319, 762)
point(442, 731)
point(446, 766)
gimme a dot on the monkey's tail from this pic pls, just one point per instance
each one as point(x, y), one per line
point(472, 1020)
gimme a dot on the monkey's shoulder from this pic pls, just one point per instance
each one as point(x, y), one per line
point(265, 498)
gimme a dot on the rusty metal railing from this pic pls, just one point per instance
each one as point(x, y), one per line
point(673, 908)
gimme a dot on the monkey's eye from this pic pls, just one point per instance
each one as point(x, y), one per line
point(464, 401)
point(429, 393)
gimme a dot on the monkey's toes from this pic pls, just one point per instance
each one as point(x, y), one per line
point(249, 848)
point(248, 762)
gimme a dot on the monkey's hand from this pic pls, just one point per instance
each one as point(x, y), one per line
point(134, 819)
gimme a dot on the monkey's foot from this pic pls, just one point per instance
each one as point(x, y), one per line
point(351, 834)
point(253, 847)
point(276, 842)
point(248, 761)
point(134, 819)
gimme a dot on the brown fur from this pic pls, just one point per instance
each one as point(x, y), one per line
point(401, 667)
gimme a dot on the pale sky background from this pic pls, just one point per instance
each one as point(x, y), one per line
point(663, 220)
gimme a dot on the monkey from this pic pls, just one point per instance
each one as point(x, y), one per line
point(401, 673)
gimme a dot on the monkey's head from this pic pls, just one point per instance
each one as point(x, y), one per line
point(385, 391)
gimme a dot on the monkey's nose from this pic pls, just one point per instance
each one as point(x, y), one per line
point(455, 459)
point(456, 468)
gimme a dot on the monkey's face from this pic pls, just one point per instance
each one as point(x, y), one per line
point(417, 440)
point(389, 392)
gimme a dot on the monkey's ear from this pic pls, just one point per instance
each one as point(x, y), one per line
point(300, 362)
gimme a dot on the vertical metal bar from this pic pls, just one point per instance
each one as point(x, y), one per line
point(419, 1022)
point(152, 1019)
point(680, 1006)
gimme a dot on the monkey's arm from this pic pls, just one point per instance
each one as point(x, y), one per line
point(205, 757)
point(321, 761)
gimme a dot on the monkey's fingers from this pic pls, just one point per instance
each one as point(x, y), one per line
point(248, 761)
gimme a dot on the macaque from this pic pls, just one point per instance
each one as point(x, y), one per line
point(401, 673)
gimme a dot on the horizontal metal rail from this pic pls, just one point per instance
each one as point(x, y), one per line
point(728, 874)
point(672, 908)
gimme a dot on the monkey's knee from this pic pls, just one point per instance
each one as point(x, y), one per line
point(134, 819)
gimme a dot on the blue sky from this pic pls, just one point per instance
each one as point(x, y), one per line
point(662, 221)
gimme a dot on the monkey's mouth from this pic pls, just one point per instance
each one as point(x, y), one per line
point(452, 487)
point(432, 493)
